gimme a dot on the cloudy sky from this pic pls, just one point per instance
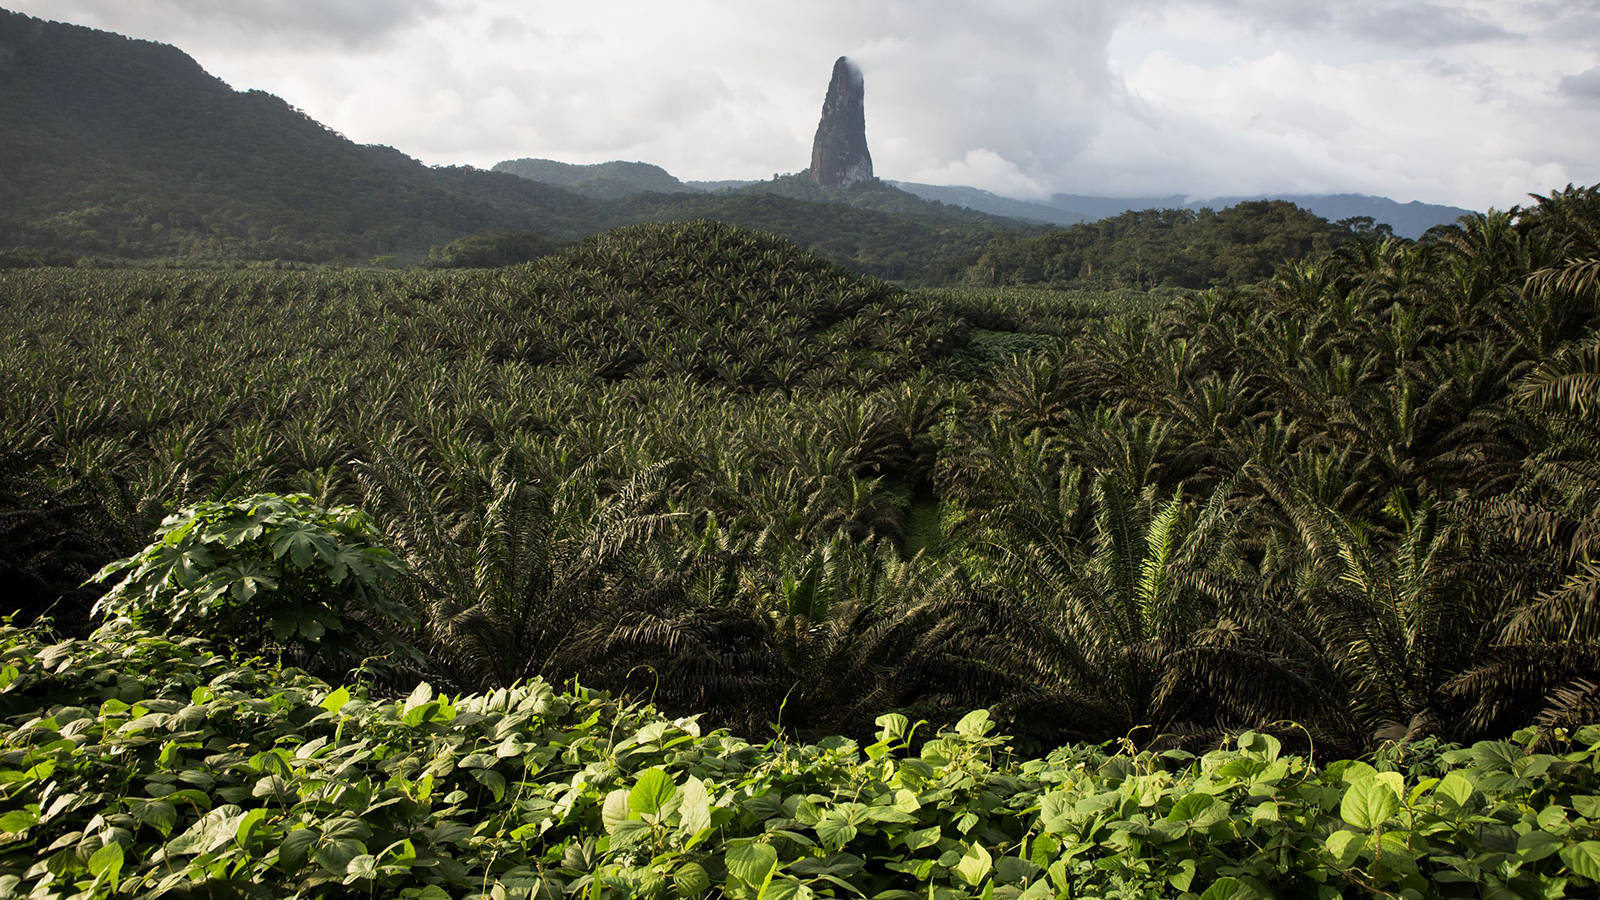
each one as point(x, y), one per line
point(1474, 103)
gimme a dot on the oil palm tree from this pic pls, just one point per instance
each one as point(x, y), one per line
point(514, 574)
point(1543, 541)
point(1395, 611)
point(1134, 625)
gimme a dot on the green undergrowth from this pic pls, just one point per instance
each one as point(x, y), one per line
point(138, 765)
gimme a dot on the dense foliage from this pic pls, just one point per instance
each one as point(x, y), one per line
point(602, 181)
point(489, 250)
point(1190, 248)
point(135, 764)
point(692, 463)
point(264, 572)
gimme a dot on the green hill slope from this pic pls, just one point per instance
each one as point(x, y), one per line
point(1161, 248)
point(606, 181)
point(128, 148)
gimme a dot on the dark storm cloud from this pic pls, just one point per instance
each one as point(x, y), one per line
point(1582, 86)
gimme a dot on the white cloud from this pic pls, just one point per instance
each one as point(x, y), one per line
point(984, 167)
point(1473, 102)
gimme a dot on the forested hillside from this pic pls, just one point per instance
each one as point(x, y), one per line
point(1179, 247)
point(604, 181)
point(124, 148)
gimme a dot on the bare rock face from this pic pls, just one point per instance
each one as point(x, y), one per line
point(839, 156)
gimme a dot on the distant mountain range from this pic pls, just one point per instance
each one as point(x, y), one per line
point(618, 179)
point(1410, 220)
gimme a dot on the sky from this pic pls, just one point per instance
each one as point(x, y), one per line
point(1472, 103)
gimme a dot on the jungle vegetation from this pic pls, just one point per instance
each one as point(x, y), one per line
point(148, 765)
point(693, 464)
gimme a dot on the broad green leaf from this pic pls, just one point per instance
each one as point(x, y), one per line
point(785, 888)
point(401, 851)
point(247, 823)
point(335, 856)
point(1226, 888)
point(975, 865)
point(1264, 813)
point(1396, 783)
point(975, 724)
point(494, 781)
point(210, 832)
point(691, 880)
point(1039, 890)
point(274, 786)
point(1261, 746)
point(835, 829)
point(1583, 859)
point(1495, 756)
point(295, 849)
point(1344, 846)
point(614, 811)
point(1184, 877)
point(1368, 803)
point(18, 820)
point(1351, 771)
point(1013, 870)
point(694, 810)
point(1056, 812)
point(1586, 805)
point(1552, 819)
point(751, 864)
point(361, 867)
point(336, 699)
point(892, 726)
point(1190, 806)
point(304, 542)
point(1456, 786)
point(1536, 845)
point(158, 814)
point(107, 861)
point(421, 694)
point(652, 792)
point(922, 837)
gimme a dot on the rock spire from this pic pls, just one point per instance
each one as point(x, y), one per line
point(839, 156)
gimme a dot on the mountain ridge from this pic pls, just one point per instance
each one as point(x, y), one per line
point(1408, 219)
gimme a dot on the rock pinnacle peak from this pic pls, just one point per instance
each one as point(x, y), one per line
point(839, 156)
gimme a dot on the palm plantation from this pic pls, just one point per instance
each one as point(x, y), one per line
point(1355, 501)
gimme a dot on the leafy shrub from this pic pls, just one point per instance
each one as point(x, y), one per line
point(136, 765)
point(268, 571)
